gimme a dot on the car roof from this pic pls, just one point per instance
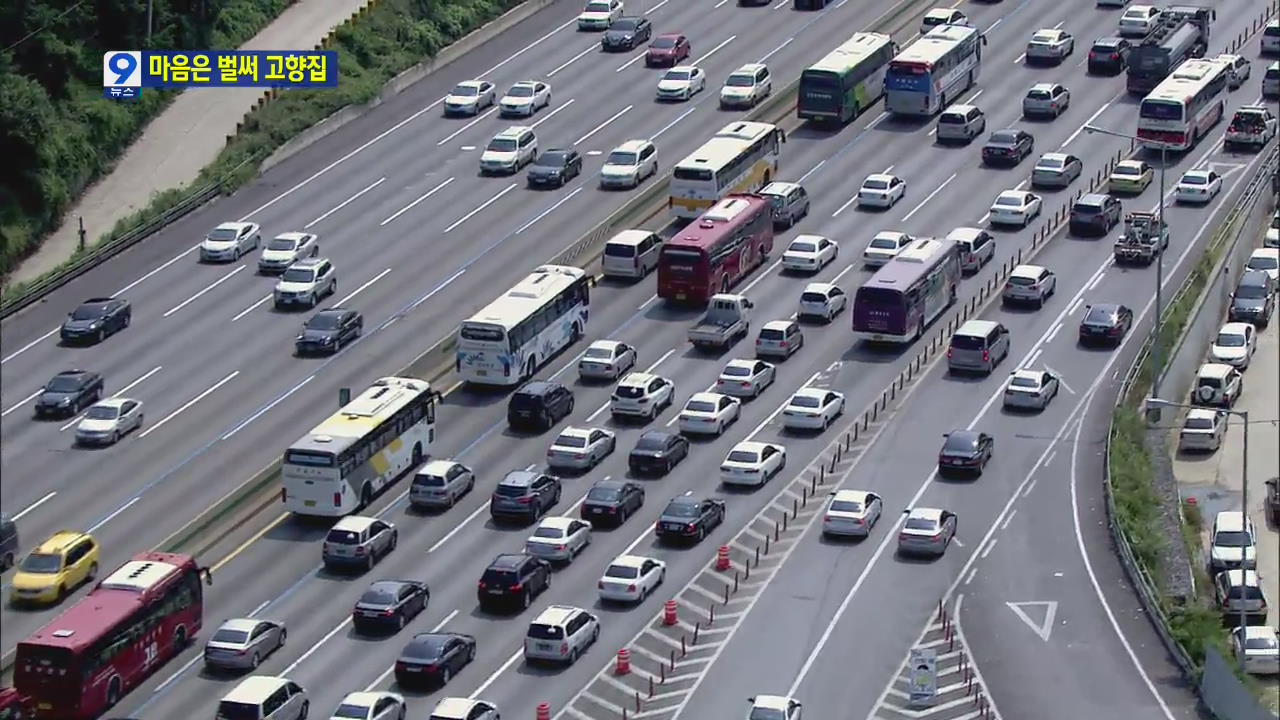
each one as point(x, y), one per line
point(454, 707)
point(519, 478)
point(236, 226)
point(363, 698)
point(293, 236)
point(1203, 414)
point(1131, 164)
point(964, 434)
point(747, 363)
point(922, 513)
point(1019, 194)
point(1265, 252)
point(1229, 520)
point(59, 541)
point(630, 560)
point(538, 387)
point(707, 396)
point(74, 372)
point(470, 83)
point(672, 35)
point(1108, 41)
point(309, 262)
point(977, 327)
point(388, 584)
point(749, 446)
point(1218, 370)
point(896, 235)
point(556, 615)
point(557, 522)
point(612, 344)
point(965, 233)
point(113, 402)
point(1029, 271)
point(819, 287)
point(1201, 173)
point(509, 561)
point(1028, 374)
point(635, 145)
point(573, 431)
point(525, 83)
point(1109, 308)
point(772, 702)
point(748, 68)
point(636, 379)
point(354, 523)
point(779, 188)
point(245, 624)
point(657, 435)
point(809, 237)
point(961, 109)
point(1235, 328)
point(1061, 157)
point(934, 13)
point(513, 131)
point(254, 689)
point(778, 325)
point(1092, 199)
point(1045, 86)
point(1239, 577)
point(886, 177)
point(610, 484)
point(858, 496)
point(628, 237)
point(811, 392)
point(1049, 31)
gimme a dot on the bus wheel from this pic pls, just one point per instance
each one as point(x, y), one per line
point(919, 329)
point(577, 334)
point(528, 370)
point(180, 637)
point(113, 692)
point(366, 496)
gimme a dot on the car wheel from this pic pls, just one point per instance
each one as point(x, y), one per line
point(702, 533)
point(526, 599)
point(283, 636)
point(400, 622)
point(115, 438)
point(255, 661)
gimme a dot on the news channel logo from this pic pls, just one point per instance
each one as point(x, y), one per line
point(122, 75)
point(126, 72)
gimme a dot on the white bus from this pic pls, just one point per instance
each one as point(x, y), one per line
point(507, 341)
point(848, 80)
point(344, 461)
point(741, 158)
point(1184, 105)
point(933, 71)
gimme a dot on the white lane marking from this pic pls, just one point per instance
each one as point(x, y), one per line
point(186, 666)
point(1096, 280)
point(655, 7)
point(363, 287)
point(649, 369)
point(929, 197)
point(344, 203)
point(553, 112)
point(571, 60)
point(630, 62)
point(1009, 519)
point(1061, 379)
point(1054, 331)
point(1080, 129)
point(167, 263)
point(774, 51)
point(842, 273)
point(990, 546)
point(23, 513)
point(569, 511)
point(762, 276)
point(887, 170)
point(411, 205)
point(258, 609)
point(483, 205)
point(30, 345)
point(548, 211)
point(468, 126)
point(252, 307)
point(207, 288)
point(312, 650)
point(115, 514)
point(648, 302)
point(713, 50)
point(531, 45)
point(456, 528)
point(602, 125)
point(1021, 57)
point(781, 406)
point(781, 4)
point(1076, 306)
point(496, 674)
point(436, 289)
point(956, 540)
point(378, 680)
point(722, 2)
point(117, 394)
point(189, 403)
point(264, 410)
point(671, 124)
point(22, 402)
point(846, 204)
point(1031, 361)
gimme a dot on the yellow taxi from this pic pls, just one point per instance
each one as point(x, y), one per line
point(55, 568)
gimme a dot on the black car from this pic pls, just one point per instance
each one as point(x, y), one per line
point(328, 331)
point(966, 451)
point(513, 578)
point(611, 502)
point(626, 33)
point(1253, 300)
point(434, 658)
point(95, 319)
point(554, 168)
point(524, 495)
point(539, 405)
point(1106, 323)
point(1108, 56)
point(656, 452)
point(389, 604)
point(1094, 214)
point(689, 518)
point(69, 392)
point(1007, 147)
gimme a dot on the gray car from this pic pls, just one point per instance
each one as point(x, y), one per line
point(927, 531)
point(790, 202)
point(1056, 170)
point(358, 541)
point(1046, 100)
point(242, 643)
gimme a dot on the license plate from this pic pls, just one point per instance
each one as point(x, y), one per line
point(495, 591)
point(369, 613)
point(680, 296)
point(482, 373)
point(410, 668)
point(546, 646)
point(309, 503)
point(596, 511)
point(671, 526)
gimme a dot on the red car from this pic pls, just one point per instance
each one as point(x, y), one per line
point(16, 706)
point(668, 49)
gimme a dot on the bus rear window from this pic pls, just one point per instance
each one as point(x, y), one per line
point(688, 173)
point(309, 457)
point(681, 257)
point(482, 333)
point(879, 297)
point(38, 658)
point(1160, 110)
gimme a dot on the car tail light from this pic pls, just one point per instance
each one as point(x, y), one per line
point(388, 613)
point(1092, 54)
point(631, 587)
point(359, 549)
point(564, 648)
point(903, 536)
point(691, 527)
point(657, 525)
point(481, 585)
point(744, 384)
point(401, 665)
point(517, 587)
point(560, 547)
point(337, 499)
point(613, 510)
point(324, 548)
point(986, 355)
point(936, 538)
point(429, 668)
point(1115, 56)
point(784, 344)
point(949, 352)
point(525, 500)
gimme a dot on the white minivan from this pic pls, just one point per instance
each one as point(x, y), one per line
point(264, 697)
point(631, 254)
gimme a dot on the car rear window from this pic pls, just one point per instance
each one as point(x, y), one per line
point(1260, 643)
point(424, 480)
point(951, 119)
point(620, 250)
point(813, 297)
point(343, 537)
point(526, 400)
point(848, 506)
point(237, 711)
point(769, 334)
point(622, 571)
point(651, 443)
point(968, 342)
point(514, 491)
point(629, 392)
point(499, 577)
point(571, 441)
point(233, 637)
point(1199, 423)
point(1021, 280)
point(540, 631)
point(604, 495)
point(920, 524)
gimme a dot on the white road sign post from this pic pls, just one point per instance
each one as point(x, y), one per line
point(923, 669)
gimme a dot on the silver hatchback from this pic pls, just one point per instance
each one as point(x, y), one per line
point(440, 483)
point(242, 643)
point(358, 541)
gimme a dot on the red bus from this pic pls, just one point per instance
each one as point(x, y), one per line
point(719, 248)
point(908, 293)
point(132, 622)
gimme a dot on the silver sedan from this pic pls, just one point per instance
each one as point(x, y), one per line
point(242, 643)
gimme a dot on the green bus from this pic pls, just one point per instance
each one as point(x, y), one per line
point(848, 80)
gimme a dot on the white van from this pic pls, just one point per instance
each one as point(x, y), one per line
point(631, 254)
point(264, 697)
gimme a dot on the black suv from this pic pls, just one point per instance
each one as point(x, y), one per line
point(1094, 214)
point(1007, 147)
point(524, 495)
point(555, 167)
point(328, 330)
point(513, 578)
point(1108, 56)
point(95, 319)
point(539, 405)
point(1253, 299)
point(69, 392)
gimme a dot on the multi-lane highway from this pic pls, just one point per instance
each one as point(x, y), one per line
point(839, 622)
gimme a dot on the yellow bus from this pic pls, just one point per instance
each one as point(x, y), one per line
point(741, 158)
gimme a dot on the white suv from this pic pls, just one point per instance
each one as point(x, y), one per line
point(1218, 384)
point(305, 282)
point(1232, 544)
point(509, 151)
point(629, 164)
point(746, 86)
point(641, 395)
point(560, 633)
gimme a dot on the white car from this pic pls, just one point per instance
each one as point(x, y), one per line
point(109, 420)
point(1234, 345)
point(630, 578)
point(851, 513)
point(927, 531)
point(746, 86)
point(1239, 67)
point(709, 413)
point(629, 164)
point(941, 16)
point(606, 360)
point(509, 150)
point(1203, 430)
point(469, 97)
point(809, 253)
point(773, 707)
point(599, 14)
point(641, 395)
point(884, 247)
point(822, 300)
point(1268, 261)
point(881, 190)
point(457, 708)
point(559, 539)
point(1015, 207)
point(1272, 238)
point(525, 98)
point(305, 282)
point(1138, 20)
point(228, 241)
point(370, 706)
point(745, 378)
point(779, 339)
point(812, 408)
point(1198, 186)
point(682, 82)
point(1030, 389)
point(580, 448)
point(1050, 44)
point(1029, 284)
point(1232, 542)
point(1260, 647)
point(752, 463)
point(285, 249)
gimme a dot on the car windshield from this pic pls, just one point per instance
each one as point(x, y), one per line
point(737, 371)
point(676, 74)
point(849, 506)
point(298, 275)
point(466, 91)
point(1004, 137)
point(103, 412)
point(282, 244)
point(883, 243)
point(621, 157)
point(1232, 538)
point(1199, 423)
point(1038, 95)
point(521, 91)
point(806, 401)
point(1106, 45)
point(1229, 340)
point(681, 509)
point(743, 456)
point(1195, 180)
point(1009, 200)
point(1262, 262)
point(627, 572)
point(548, 532)
point(604, 495)
point(324, 321)
point(87, 312)
point(652, 443)
point(960, 443)
point(505, 145)
point(700, 406)
point(347, 710)
point(1087, 207)
point(664, 42)
point(42, 563)
point(553, 159)
point(629, 392)
point(914, 523)
point(222, 235)
point(63, 385)
point(573, 441)
point(1024, 382)
point(1261, 643)
point(763, 713)
point(740, 80)
point(623, 25)
point(804, 247)
point(1021, 280)
point(599, 7)
point(597, 353)
point(1050, 164)
point(511, 491)
point(342, 537)
point(1251, 292)
point(230, 637)
point(378, 596)
point(876, 184)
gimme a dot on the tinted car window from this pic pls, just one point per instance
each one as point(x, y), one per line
point(343, 537)
point(968, 342)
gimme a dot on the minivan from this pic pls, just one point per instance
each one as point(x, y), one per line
point(560, 634)
point(977, 247)
point(790, 202)
point(264, 697)
point(8, 542)
point(978, 346)
point(539, 405)
point(961, 123)
point(631, 254)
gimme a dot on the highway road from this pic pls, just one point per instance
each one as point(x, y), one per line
point(275, 573)
point(419, 242)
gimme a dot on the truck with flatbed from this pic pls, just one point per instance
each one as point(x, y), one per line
point(728, 319)
point(1144, 238)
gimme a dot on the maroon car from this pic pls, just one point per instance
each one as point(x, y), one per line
point(668, 49)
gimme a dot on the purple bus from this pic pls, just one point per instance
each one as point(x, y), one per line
point(908, 293)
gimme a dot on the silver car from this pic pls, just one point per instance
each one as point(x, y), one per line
point(560, 634)
point(1056, 170)
point(358, 541)
point(242, 643)
point(927, 531)
point(606, 360)
point(440, 483)
point(1046, 100)
point(1050, 44)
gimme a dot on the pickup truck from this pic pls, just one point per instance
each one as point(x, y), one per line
point(728, 320)
point(1252, 126)
point(1141, 242)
